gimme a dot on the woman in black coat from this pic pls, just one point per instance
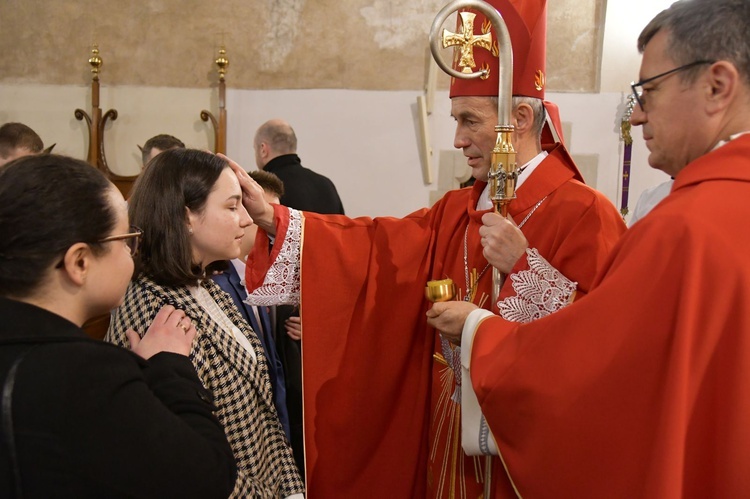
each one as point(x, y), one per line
point(83, 418)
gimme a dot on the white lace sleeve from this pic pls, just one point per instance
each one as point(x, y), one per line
point(282, 283)
point(540, 291)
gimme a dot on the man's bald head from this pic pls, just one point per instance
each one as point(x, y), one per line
point(274, 138)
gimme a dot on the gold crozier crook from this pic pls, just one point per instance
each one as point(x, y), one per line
point(467, 41)
point(504, 170)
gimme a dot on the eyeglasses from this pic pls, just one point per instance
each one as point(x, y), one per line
point(132, 239)
point(638, 86)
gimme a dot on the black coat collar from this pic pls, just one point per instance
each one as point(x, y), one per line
point(22, 323)
point(283, 161)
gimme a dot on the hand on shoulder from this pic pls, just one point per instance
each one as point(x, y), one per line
point(170, 331)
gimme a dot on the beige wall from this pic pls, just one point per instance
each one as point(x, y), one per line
point(366, 141)
point(271, 44)
point(361, 132)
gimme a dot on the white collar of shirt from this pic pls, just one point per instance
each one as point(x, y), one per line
point(484, 202)
point(731, 137)
point(239, 266)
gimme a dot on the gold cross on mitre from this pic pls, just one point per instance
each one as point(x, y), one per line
point(467, 41)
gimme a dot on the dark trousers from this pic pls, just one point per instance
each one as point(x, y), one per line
point(289, 351)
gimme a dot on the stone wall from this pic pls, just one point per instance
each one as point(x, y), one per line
point(271, 44)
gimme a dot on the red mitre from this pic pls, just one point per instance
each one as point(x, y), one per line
point(527, 25)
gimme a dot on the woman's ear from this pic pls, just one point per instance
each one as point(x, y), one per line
point(77, 262)
point(190, 219)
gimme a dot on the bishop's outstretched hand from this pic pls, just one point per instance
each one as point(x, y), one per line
point(255, 203)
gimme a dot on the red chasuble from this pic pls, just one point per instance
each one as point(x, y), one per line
point(641, 389)
point(379, 415)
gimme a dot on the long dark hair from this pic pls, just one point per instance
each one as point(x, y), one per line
point(47, 204)
point(175, 179)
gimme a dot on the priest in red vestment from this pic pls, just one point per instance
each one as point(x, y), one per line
point(641, 389)
point(382, 406)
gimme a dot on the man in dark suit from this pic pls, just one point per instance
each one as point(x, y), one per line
point(275, 147)
point(232, 281)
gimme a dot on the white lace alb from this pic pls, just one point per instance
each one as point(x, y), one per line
point(540, 291)
point(281, 285)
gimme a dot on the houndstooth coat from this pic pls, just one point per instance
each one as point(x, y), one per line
point(241, 386)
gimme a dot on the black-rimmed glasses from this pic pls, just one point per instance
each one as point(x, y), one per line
point(132, 239)
point(638, 86)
